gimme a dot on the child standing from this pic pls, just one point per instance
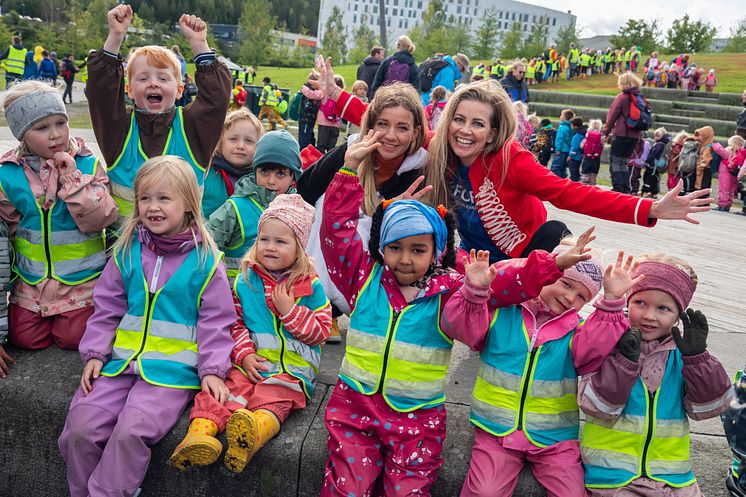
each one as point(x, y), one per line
point(576, 150)
point(238, 96)
point(268, 102)
point(159, 334)
point(309, 109)
point(232, 160)
point(523, 129)
point(704, 137)
point(283, 319)
point(54, 197)
point(328, 121)
point(636, 433)
point(562, 144)
point(733, 158)
point(359, 91)
point(545, 139)
point(673, 153)
point(277, 166)
point(636, 163)
point(711, 81)
point(655, 164)
point(438, 101)
point(592, 146)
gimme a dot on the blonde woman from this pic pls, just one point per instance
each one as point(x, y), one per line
point(398, 67)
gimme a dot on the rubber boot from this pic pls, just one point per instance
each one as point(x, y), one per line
point(199, 447)
point(247, 432)
point(335, 336)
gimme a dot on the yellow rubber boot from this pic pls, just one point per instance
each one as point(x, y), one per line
point(199, 447)
point(247, 432)
point(335, 336)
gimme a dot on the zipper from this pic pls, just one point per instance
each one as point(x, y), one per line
point(386, 351)
point(526, 383)
point(282, 344)
point(649, 436)
point(150, 300)
point(45, 237)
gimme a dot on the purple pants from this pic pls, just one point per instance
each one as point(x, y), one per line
point(108, 433)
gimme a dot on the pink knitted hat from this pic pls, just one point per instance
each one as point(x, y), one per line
point(590, 273)
point(292, 210)
point(666, 278)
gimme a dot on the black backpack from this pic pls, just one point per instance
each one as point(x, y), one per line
point(428, 70)
point(308, 109)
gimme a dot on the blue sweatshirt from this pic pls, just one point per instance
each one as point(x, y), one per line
point(564, 138)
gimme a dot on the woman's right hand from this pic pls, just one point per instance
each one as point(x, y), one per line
point(359, 150)
point(326, 81)
point(91, 371)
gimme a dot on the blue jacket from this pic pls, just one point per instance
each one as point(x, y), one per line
point(564, 138)
point(576, 153)
point(30, 69)
point(446, 77)
point(47, 69)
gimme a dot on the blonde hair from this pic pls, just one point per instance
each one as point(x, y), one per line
point(520, 107)
point(671, 261)
point(439, 93)
point(302, 267)
point(359, 84)
point(681, 137)
point(735, 143)
point(567, 114)
point(313, 75)
point(242, 114)
point(155, 56)
point(660, 131)
point(182, 182)
point(462, 59)
point(628, 80)
point(404, 44)
point(442, 159)
point(594, 124)
point(394, 95)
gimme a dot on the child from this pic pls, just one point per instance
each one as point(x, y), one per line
point(281, 306)
point(656, 163)
point(239, 95)
point(672, 81)
point(54, 197)
point(277, 165)
point(159, 334)
point(524, 401)
point(438, 101)
point(711, 81)
point(636, 162)
point(545, 139)
point(734, 424)
point(523, 129)
point(329, 122)
point(359, 91)
point(531, 72)
point(673, 152)
point(533, 121)
point(268, 102)
point(576, 150)
point(698, 79)
point(733, 158)
point(704, 137)
point(592, 146)
point(128, 136)
point(47, 69)
point(562, 144)
point(232, 160)
point(626, 449)
point(309, 109)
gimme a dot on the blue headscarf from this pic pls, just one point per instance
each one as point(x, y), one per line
point(405, 218)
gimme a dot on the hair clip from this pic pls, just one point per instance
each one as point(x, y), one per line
point(386, 203)
point(442, 211)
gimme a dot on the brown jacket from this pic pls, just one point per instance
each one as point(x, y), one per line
point(704, 136)
point(203, 118)
point(615, 119)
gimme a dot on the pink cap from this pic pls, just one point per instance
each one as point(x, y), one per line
point(292, 210)
point(590, 273)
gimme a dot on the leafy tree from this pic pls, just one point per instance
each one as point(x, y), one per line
point(737, 41)
point(536, 42)
point(364, 39)
point(334, 42)
point(565, 36)
point(644, 34)
point(687, 36)
point(487, 36)
point(254, 29)
point(431, 35)
point(512, 41)
point(459, 39)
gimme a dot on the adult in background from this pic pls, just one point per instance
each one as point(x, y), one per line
point(47, 68)
point(616, 131)
point(367, 70)
point(741, 120)
point(514, 83)
point(68, 76)
point(398, 67)
point(15, 61)
point(448, 75)
point(182, 61)
point(57, 65)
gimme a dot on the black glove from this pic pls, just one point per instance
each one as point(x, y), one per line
point(694, 341)
point(629, 344)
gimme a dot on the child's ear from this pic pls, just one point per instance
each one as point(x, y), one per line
point(179, 90)
point(128, 89)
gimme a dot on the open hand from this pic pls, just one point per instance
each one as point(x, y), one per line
point(119, 19)
point(477, 268)
point(358, 151)
point(672, 206)
point(64, 163)
point(694, 341)
point(5, 362)
point(91, 371)
point(577, 253)
point(283, 298)
point(326, 81)
point(412, 193)
point(215, 386)
point(618, 278)
point(251, 365)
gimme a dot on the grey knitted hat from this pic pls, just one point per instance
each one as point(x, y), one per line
point(31, 108)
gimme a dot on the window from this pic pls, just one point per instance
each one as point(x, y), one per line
point(355, 7)
point(514, 16)
point(388, 22)
point(458, 9)
point(534, 19)
point(419, 5)
point(525, 27)
point(396, 2)
point(401, 23)
point(395, 11)
point(375, 9)
point(354, 17)
point(554, 21)
point(501, 14)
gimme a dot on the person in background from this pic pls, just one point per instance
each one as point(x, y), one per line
point(368, 68)
point(69, 69)
point(15, 61)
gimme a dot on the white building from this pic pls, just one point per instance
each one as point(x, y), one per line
point(403, 15)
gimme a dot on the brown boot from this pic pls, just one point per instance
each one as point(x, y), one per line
point(199, 447)
point(247, 432)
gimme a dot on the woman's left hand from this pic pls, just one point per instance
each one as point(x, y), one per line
point(673, 206)
point(412, 193)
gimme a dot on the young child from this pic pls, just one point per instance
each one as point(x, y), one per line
point(636, 433)
point(655, 164)
point(711, 81)
point(328, 122)
point(160, 333)
point(238, 96)
point(359, 91)
point(545, 139)
point(533, 121)
point(268, 102)
point(592, 146)
point(281, 306)
point(524, 403)
point(734, 424)
point(232, 160)
point(704, 136)
point(733, 157)
point(309, 109)
point(673, 153)
point(438, 101)
point(154, 126)
point(576, 149)
point(672, 81)
point(523, 129)
point(636, 163)
point(562, 144)
point(277, 166)
point(54, 197)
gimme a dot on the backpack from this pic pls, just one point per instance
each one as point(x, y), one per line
point(327, 108)
point(282, 106)
point(640, 116)
point(688, 157)
point(295, 106)
point(240, 98)
point(397, 71)
point(661, 163)
point(428, 70)
point(715, 162)
point(594, 145)
point(66, 73)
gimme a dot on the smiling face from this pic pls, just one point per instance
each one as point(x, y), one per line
point(276, 245)
point(48, 136)
point(654, 312)
point(162, 211)
point(565, 294)
point(153, 89)
point(238, 144)
point(470, 130)
point(409, 258)
point(399, 131)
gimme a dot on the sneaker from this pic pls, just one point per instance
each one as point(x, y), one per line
point(335, 336)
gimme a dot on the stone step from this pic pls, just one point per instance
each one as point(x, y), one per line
point(702, 99)
point(671, 118)
point(689, 112)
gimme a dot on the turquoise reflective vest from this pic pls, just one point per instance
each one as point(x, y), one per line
point(16, 61)
point(122, 172)
point(520, 387)
point(404, 356)
point(160, 329)
point(48, 244)
point(214, 192)
point(284, 352)
point(248, 212)
point(650, 438)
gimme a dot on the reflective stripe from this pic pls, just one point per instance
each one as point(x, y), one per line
point(365, 341)
point(658, 467)
point(308, 372)
point(554, 389)
point(238, 399)
point(498, 378)
point(265, 341)
point(415, 389)
point(176, 331)
point(421, 355)
point(498, 415)
point(626, 423)
point(121, 353)
point(29, 265)
point(286, 384)
point(671, 428)
point(367, 377)
point(31, 236)
point(700, 408)
point(303, 350)
point(556, 421)
point(130, 322)
point(187, 357)
point(94, 261)
point(71, 237)
point(602, 406)
point(610, 459)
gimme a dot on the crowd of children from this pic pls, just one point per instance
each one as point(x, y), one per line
point(182, 273)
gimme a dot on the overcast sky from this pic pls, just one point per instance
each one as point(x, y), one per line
point(606, 16)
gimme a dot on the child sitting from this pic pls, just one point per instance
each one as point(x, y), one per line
point(733, 157)
point(592, 146)
point(734, 424)
point(438, 101)
point(562, 144)
point(576, 150)
point(545, 139)
point(281, 306)
point(636, 434)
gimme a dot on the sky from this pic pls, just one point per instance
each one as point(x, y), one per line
point(612, 14)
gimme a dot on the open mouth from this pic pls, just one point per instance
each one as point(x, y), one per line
point(155, 219)
point(154, 98)
point(462, 141)
point(389, 145)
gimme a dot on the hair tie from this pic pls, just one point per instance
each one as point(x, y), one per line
point(385, 203)
point(442, 211)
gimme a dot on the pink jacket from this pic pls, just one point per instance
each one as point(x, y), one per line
point(321, 119)
point(733, 161)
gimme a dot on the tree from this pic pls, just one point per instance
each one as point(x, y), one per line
point(565, 36)
point(459, 37)
point(687, 36)
point(254, 30)
point(737, 41)
point(487, 36)
point(364, 39)
point(536, 42)
point(644, 34)
point(431, 35)
point(512, 41)
point(334, 42)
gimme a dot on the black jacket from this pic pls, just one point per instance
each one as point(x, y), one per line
point(404, 57)
point(741, 123)
point(517, 90)
point(367, 70)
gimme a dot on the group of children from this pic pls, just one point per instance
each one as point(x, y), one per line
point(679, 73)
point(207, 289)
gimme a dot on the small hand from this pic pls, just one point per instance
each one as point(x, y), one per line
point(64, 163)
point(283, 298)
point(90, 372)
point(412, 193)
point(579, 252)
point(215, 386)
point(252, 364)
point(478, 270)
point(119, 19)
point(361, 149)
point(5, 362)
point(193, 28)
point(618, 279)
point(629, 344)
point(673, 206)
point(694, 341)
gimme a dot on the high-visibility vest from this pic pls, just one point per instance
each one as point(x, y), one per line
point(479, 71)
point(585, 60)
point(248, 212)
point(16, 61)
point(159, 330)
point(122, 171)
point(403, 356)
point(248, 78)
point(269, 97)
point(556, 65)
point(530, 72)
point(627, 56)
point(523, 388)
point(84, 72)
point(284, 352)
point(574, 55)
point(48, 244)
point(650, 438)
